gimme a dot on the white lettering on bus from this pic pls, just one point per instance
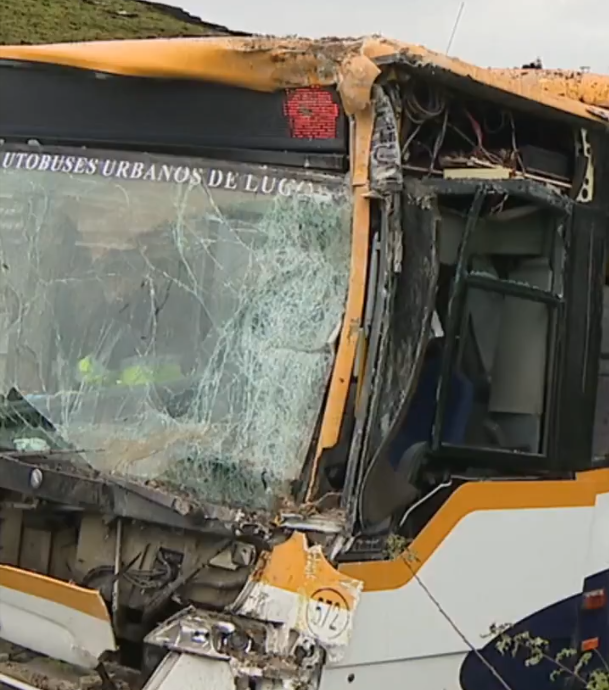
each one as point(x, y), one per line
point(147, 171)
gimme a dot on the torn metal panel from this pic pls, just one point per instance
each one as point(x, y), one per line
point(529, 190)
point(326, 523)
point(385, 154)
point(355, 77)
point(388, 260)
point(496, 84)
point(295, 586)
point(602, 113)
point(294, 611)
point(55, 618)
point(173, 319)
point(248, 650)
point(401, 360)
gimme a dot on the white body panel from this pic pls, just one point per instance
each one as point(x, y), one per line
point(189, 672)
point(53, 629)
point(494, 567)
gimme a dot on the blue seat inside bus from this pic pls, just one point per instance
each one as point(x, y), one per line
point(418, 426)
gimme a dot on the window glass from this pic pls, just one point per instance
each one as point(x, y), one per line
point(496, 390)
point(173, 318)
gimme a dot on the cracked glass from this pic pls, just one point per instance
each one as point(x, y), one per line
point(174, 319)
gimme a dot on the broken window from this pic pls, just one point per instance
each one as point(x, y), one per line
point(173, 319)
point(497, 356)
point(494, 372)
point(486, 377)
point(486, 370)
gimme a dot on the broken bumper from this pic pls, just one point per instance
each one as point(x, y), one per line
point(230, 652)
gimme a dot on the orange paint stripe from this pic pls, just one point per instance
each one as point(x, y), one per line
point(362, 144)
point(88, 601)
point(467, 499)
point(345, 356)
point(343, 368)
point(291, 566)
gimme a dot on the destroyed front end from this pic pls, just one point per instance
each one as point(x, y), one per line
point(171, 303)
point(269, 311)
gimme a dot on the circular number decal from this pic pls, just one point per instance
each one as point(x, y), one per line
point(328, 614)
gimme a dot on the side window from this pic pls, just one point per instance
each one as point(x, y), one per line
point(498, 353)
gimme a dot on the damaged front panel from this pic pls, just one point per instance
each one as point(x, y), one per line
point(476, 325)
point(385, 155)
point(173, 319)
point(412, 286)
point(297, 587)
point(295, 612)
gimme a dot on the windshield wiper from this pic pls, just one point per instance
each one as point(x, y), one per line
point(90, 490)
point(67, 478)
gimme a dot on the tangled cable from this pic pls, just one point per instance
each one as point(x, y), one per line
point(140, 579)
point(418, 113)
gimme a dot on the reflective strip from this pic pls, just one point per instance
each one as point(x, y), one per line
point(90, 371)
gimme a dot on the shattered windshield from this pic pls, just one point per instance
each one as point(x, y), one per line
point(174, 319)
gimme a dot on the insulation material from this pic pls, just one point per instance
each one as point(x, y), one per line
point(174, 320)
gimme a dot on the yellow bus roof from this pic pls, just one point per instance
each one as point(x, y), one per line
point(591, 89)
point(268, 64)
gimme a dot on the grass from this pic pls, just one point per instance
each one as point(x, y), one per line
point(55, 21)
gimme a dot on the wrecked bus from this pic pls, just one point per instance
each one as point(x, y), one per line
point(299, 358)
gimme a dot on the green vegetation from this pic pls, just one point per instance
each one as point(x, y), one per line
point(581, 670)
point(55, 21)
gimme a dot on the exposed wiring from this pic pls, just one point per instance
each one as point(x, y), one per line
point(515, 150)
point(438, 142)
point(142, 580)
point(494, 130)
point(424, 499)
point(151, 579)
point(477, 130)
point(426, 148)
point(164, 595)
point(479, 147)
point(408, 141)
point(498, 207)
point(464, 136)
point(418, 113)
